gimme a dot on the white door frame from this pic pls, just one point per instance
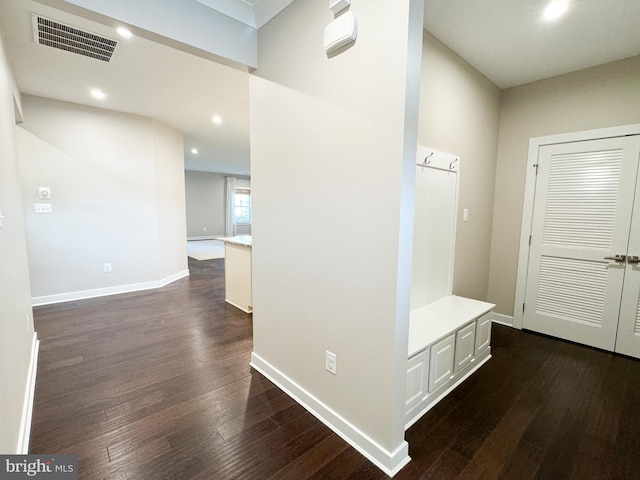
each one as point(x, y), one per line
point(529, 196)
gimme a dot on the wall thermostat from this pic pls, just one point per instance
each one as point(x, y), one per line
point(44, 193)
point(342, 31)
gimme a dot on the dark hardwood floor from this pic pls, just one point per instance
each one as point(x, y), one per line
point(156, 385)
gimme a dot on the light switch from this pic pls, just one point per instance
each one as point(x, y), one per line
point(1, 219)
point(465, 215)
point(43, 208)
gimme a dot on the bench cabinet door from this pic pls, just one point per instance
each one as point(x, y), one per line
point(417, 375)
point(465, 346)
point(441, 362)
point(483, 333)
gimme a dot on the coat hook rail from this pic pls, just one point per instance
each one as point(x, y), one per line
point(426, 159)
point(426, 163)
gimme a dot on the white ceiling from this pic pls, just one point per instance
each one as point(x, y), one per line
point(511, 44)
point(143, 78)
point(506, 40)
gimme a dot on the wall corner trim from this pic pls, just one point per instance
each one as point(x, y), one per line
point(389, 462)
point(101, 292)
point(29, 396)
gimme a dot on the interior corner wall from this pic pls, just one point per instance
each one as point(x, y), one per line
point(598, 97)
point(16, 320)
point(459, 114)
point(329, 182)
point(117, 192)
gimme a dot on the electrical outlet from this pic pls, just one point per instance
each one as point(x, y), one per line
point(330, 362)
point(107, 267)
point(28, 322)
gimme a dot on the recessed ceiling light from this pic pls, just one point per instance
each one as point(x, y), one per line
point(98, 94)
point(194, 151)
point(124, 32)
point(217, 119)
point(555, 9)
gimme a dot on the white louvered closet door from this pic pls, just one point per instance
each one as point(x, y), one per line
point(582, 214)
point(628, 338)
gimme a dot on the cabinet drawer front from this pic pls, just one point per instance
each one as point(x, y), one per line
point(441, 362)
point(417, 374)
point(465, 346)
point(483, 333)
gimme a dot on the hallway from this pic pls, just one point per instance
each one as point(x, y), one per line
point(156, 384)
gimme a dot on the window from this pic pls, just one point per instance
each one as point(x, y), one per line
point(242, 206)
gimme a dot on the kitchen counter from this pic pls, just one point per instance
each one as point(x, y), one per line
point(243, 240)
point(238, 271)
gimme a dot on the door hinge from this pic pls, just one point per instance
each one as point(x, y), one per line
point(529, 240)
point(523, 308)
point(535, 165)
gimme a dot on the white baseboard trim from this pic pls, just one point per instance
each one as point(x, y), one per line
point(389, 462)
point(505, 320)
point(101, 292)
point(245, 310)
point(29, 395)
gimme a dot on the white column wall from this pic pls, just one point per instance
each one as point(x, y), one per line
point(333, 143)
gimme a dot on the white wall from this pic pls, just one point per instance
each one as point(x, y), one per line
point(117, 183)
point(333, 145)
point(206, 203)
point(459, 114)
point(598, 97)
point(16, 320)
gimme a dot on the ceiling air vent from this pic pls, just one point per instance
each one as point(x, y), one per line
point(57, 35)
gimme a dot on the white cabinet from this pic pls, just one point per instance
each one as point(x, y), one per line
point(448, 341)
point(238, 272)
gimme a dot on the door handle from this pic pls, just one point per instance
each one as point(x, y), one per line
point(618, 258)
point(633, 259)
